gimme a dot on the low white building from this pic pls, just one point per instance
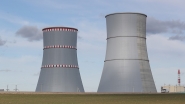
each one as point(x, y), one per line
point(172, 89)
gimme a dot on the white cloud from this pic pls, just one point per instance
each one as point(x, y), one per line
point(21, 61)
point(21, 72)
point(174, 3)
point(167, 1)
point(55, 4)
point(162, 43)
point(13, 19)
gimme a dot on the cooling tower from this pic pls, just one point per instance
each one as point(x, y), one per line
point(59, 71)
point(126, 65)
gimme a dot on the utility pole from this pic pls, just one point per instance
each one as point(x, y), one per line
point(179, 79)
point(16, 88)
point(7, 88)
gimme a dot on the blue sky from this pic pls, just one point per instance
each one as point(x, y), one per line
point(21, 54)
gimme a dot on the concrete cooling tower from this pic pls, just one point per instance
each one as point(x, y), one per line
point(59, 71)
point(126, 67)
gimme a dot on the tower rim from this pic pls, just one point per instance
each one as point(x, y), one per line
point(56, 27)
point(125, 13)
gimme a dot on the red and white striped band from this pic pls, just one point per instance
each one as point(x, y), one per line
point(60, 46)
point(59, 29)
point(64, 66)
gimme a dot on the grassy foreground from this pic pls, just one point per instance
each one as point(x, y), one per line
point(92, 98)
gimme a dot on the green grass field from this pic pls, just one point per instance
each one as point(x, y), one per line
point(92, 98)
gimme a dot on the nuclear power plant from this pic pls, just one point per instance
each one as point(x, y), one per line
point(126, 65)
point(59, 71)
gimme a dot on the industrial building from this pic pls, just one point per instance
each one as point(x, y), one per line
point(60, 70)
point(126, 65)
point(172, 89)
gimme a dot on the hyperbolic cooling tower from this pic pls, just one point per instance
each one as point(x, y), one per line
point(126, 67)
point(60, 71)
